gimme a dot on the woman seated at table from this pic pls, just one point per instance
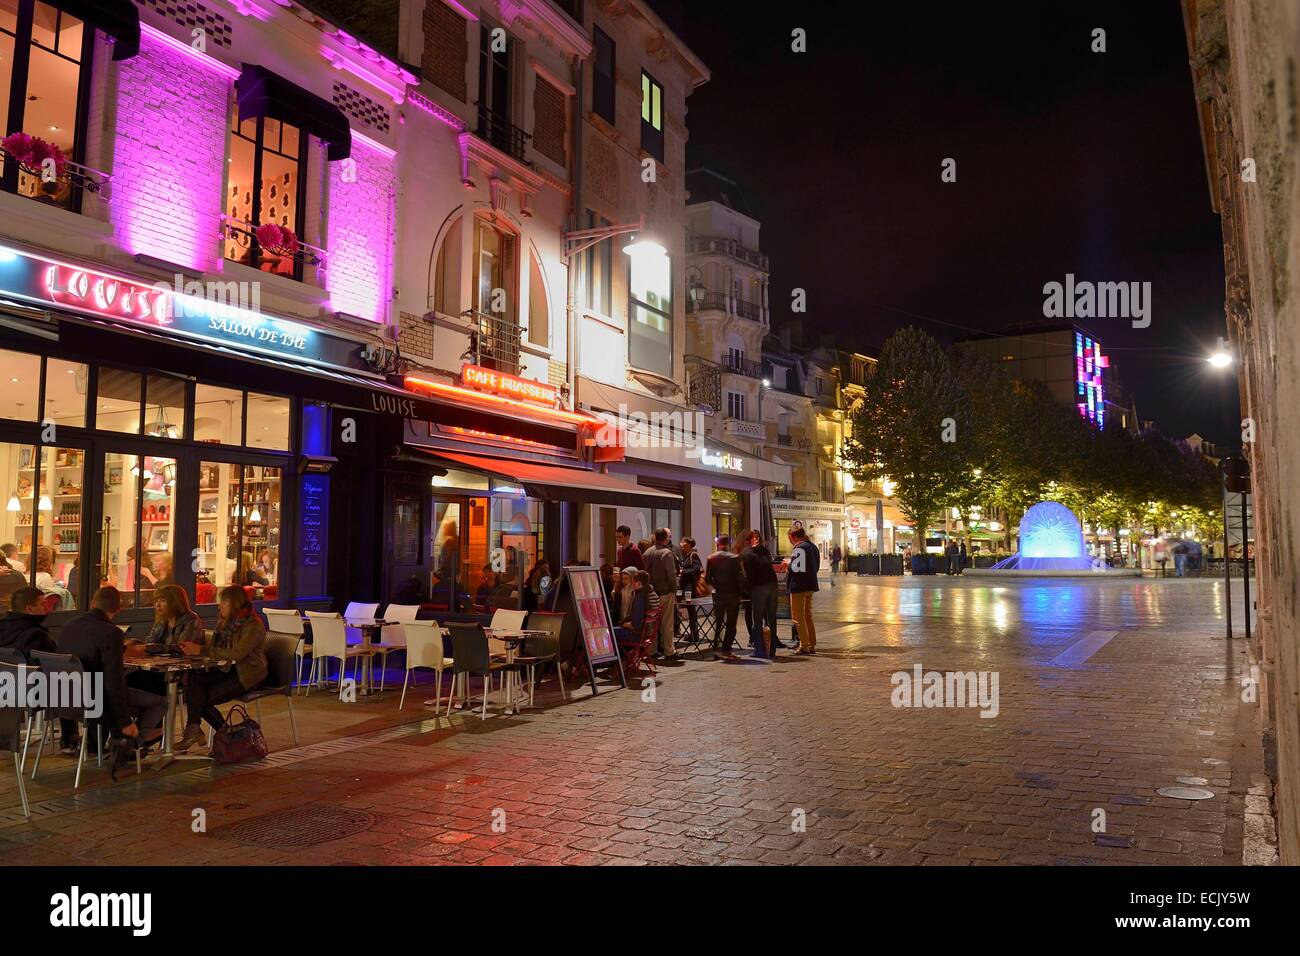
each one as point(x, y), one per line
point(240, 638)
point(248, 575)
point(644, 600)
point(174, 625)
point(46, 581)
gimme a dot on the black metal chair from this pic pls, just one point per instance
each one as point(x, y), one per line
point(281, 671)
point(53, 665)
point(470, 655)
point(540, 650)
point(11, 719)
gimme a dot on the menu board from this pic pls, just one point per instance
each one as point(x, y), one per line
point(313, 509)
point(579, 591)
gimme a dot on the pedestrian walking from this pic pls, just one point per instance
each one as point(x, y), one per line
point(961, 557)
point(950, 552)
point(836, 557)
point(805, 561)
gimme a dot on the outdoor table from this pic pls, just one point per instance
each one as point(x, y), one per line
point(698, 612)
point(367, 626)
point(173, 667)
point(512, 638)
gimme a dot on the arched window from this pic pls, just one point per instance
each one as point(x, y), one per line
point(446, 273)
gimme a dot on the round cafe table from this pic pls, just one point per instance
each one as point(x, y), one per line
point(173, 667)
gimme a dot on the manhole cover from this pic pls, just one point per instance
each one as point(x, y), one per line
point(301, 826)
point(1192, 781)
point(1186, 793)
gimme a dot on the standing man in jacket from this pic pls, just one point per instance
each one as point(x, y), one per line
point(805, 561)
point(661, 564)
point(629, 555)
point(723, 572)
point(756, 561)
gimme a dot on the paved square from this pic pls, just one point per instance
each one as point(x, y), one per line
point(800, 761)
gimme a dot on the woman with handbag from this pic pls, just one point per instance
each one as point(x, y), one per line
point(238, 637)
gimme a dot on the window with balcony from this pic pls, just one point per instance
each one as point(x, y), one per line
point(602, 84)
point(495, 301)
point(44, 71)
point(652, 116)
point(265, 186)
point(650, 314)
point(495, 77)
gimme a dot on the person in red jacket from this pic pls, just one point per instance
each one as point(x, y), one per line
point(629, 555)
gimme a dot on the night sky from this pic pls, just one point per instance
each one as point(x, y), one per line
point(1068, 161)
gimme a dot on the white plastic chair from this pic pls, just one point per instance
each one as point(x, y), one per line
point(424, 649)
point(289, 622)
point(393, 637)
point(330, 641)
point(504, 619)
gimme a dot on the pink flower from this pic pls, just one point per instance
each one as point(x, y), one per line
point(268, 235)
point(32, 151)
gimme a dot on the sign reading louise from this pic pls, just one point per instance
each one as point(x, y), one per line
point(509, 386)
point(212, 310)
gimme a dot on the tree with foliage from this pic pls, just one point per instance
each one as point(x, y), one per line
point(910, 425)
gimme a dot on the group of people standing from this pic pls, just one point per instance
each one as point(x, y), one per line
point(653, 574)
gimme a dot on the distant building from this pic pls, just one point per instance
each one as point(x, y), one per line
point(1071, 362)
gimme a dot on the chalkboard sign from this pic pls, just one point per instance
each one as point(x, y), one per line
point(581, 593)
point(313, 514)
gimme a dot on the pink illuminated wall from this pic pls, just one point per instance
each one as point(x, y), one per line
point(359, 272)
point(168, 155)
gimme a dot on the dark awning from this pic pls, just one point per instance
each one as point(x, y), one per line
point(260, 92)
point(556, 483)
point(118, 18)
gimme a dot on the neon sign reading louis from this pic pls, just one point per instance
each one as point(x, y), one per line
point(721, 460)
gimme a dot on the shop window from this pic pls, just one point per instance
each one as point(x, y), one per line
point(20, 386)
point(18, 472)
point(164, 413)
point(58, 524)
point(218, 415)
point(267, 159)
point(44, 53)
point(139, 525)
point(239, 527)
point(539, 311)
point(516, 529)
point(448, 582)
point(650, 339)
point(268, 422)
point(65, 393)
point(117, 400)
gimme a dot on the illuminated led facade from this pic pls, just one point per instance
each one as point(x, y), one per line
point(1090, 389)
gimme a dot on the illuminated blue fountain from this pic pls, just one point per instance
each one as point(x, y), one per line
point(1051, 545)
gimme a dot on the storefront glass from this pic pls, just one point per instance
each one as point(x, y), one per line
point(728, 512)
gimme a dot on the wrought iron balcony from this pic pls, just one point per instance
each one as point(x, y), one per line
point(497, 131)
point(785, 441)
point(494, 341)
point(742, 366)
point(703, 382)
point(723, 245)
point(702, 301)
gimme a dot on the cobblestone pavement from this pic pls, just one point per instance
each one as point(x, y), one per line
point(1108, 691)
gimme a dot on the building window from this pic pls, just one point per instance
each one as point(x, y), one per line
point(539, 311)
point(736, 405)
point(595, 271)
point(495, 124)
point(603, 85)
point(265, 185)
point(495, 285)
point(650, 314)
point(652, 116)
point(44, 55)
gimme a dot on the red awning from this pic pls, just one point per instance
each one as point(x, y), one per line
point(556, 483)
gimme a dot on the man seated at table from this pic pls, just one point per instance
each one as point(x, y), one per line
point(97, 642)
point(23, 628)
point(240, 638)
